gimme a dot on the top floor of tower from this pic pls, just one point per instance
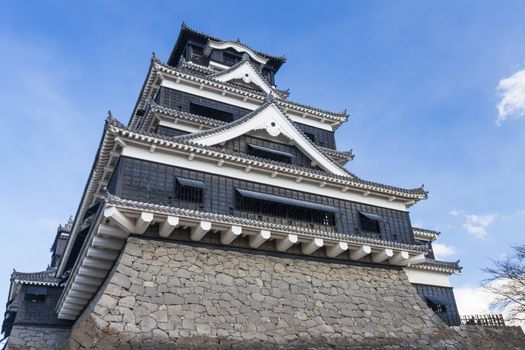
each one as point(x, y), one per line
point(218, 54)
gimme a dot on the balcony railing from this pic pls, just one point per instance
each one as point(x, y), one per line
point(282, 221)
point(491, 320)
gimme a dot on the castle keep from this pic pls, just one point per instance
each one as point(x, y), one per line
point(223, 216)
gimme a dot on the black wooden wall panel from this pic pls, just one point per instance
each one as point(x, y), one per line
point(42, 313)
point(181, 101)
point(155, 183)
point(240, 144)
point(166, 131)
point(322, 137)
point(451, 316)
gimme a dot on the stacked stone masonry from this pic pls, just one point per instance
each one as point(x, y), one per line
point(165, 295)
point(36, 338)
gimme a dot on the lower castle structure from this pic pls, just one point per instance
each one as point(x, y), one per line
point(223, 217)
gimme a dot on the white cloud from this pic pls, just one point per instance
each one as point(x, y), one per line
point(455, 212)
point(477, 300)
point(477, 224)
point(443, 250)
point(520, 212)
point(512, 93)
point(473, 300)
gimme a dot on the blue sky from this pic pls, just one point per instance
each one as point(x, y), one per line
point(419, 79)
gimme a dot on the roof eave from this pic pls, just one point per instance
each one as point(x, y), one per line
point(189, 147)
point(185, 34)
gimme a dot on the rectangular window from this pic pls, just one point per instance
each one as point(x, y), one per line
point(370, 222)
point(436, 304)
point(189, 190)
point(288, 208)
point(197, 55)
point(269, 153)
point(35, 294)
point(268, 74)
point(210, 112)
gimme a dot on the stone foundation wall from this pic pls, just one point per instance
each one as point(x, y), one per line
point(511, 338)
point(37, 338)
point(176, 296)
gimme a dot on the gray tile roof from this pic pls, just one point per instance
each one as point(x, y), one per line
point(416, 193)
point(343, 116)
point(197, 69)
point(424, 230)
point(157, 66)
point(185, 29)
point(44, 278)
point(115, 200)
point(153, 107)
point(245, 60)
point(268, 103)
point(424, 234)
point(437, 265)
point(343, 155)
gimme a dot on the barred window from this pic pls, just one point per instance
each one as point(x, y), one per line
point(370, 222)
point(292, 209)
point(436, 305)
point(35, 294)
point(210, 112)
point(189, 190)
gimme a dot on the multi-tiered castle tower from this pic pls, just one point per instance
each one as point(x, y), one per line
point(222, 214)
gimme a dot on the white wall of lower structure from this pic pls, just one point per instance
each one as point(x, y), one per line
point(432, 278)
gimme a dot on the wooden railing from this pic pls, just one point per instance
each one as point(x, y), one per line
point(491, 320)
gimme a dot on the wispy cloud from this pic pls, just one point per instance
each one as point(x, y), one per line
point(476, 225)
point(520, 212)
point(455, 212)
point(512, 97)
point(443, 250)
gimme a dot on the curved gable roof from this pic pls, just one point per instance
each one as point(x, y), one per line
point(186, 33)
point(246, 72)
point(270, 118)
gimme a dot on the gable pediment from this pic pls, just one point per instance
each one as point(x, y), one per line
point(271, 121)
point(215, 45)
point(244, 73)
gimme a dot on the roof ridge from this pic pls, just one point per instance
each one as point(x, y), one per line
point(209, 121)
point(245, 60)
point(450, 265)
point(426, 230)
point(184, 26)
point(342, 116)
point(349, 153)
point(173, 111)
point(226, 126)
point(355, 181)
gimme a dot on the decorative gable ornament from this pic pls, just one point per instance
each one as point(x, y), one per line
point(270, 118)
point(273, 129)
point(245, 71)
point(240, 48)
